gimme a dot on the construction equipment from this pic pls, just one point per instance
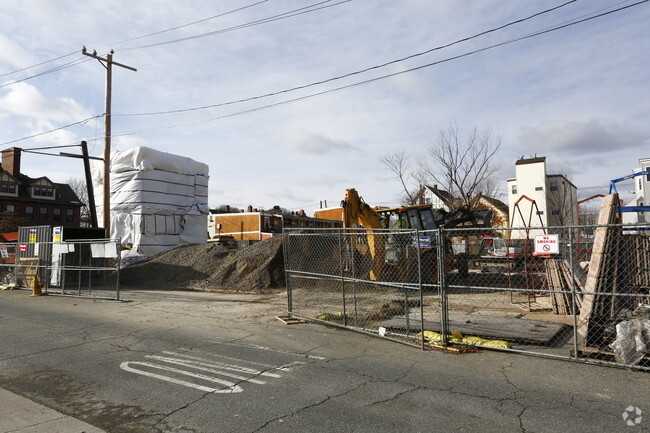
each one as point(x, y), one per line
point(395, 259)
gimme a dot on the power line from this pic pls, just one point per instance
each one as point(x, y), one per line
point(529, 35)
point(466, 54)
point(191, 24)
point(136, 38)
point(52, 130)
point(284, 15)
point(38, 64)
point(49, 71)
point(361, 71)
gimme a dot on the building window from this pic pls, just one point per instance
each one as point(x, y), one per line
point(11, 208)
point(43, 191)
point(640, 184)
point(43, 213)
point(555, 210)
point(539, 188)
point(540, 212)
point(29, 212)
point(69, 215)
point(514, 189)
point(56, 214)
point(8, 188)
point(553, 185)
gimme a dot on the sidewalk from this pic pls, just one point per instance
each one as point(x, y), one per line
point(21, 415)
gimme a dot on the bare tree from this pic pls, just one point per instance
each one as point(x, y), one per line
point(464, 168)
point(413, 180)
point(80, 188)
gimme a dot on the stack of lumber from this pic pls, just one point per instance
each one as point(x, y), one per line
point(602, 274)
point(638, 248)
point(561, 281)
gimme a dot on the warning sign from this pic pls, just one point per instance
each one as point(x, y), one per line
point(22, 248)
point(547, 244)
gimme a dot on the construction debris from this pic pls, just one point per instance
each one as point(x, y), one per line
point(617, 274)
point(560, 279)
point(259, 267)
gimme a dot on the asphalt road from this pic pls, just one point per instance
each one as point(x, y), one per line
point(216, 362)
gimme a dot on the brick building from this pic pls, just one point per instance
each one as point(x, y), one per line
point(27, 201)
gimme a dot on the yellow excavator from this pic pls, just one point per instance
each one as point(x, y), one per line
point(395, 258)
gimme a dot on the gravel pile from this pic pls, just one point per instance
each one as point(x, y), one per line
point(259, 267)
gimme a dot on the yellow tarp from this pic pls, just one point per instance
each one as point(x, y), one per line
point(456, 336)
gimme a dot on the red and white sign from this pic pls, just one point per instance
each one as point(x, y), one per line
point(22, 248)
point(547, 244)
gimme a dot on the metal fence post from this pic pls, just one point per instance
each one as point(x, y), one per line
point(417, 237)
point(574, 312)
point(341, 264)
point(444, 314)
point(354, 282)
point(287, 271)
point(119, 266)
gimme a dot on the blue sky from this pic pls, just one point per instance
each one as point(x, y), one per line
point(579, 95)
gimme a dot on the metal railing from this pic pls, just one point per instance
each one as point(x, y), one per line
point(579, 293)
point(86, 268)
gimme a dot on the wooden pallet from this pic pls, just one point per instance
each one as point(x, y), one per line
point(288, 320)
point(601, 354)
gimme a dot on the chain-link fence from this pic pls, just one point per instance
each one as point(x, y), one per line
point(580, 293)
point(76, 268)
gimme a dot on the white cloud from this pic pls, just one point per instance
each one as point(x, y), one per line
point(580, 138)
point(26, 101)
point(314, 143)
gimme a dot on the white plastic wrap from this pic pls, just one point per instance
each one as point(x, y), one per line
point(632, 341)
point(158, 200)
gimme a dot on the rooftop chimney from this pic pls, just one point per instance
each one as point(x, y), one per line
point(11, 161)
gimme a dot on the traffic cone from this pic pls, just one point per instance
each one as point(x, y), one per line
point(37, 289)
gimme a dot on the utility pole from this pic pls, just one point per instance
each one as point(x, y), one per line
point(108, 63)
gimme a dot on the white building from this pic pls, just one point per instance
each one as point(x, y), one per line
point(158, 200)
point(539, 199)
point(438, 198)
point(641, 193)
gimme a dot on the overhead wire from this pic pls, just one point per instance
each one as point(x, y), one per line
point(284, 15)
point(545, 30)
point(136, 38)
point(39, 64)
point(350, 74)
point(529, 35)
point(80, 122)
point(189, 24)
point(49, 71)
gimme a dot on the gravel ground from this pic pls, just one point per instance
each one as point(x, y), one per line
point(209, 266)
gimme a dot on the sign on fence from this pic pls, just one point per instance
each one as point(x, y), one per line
point(425, 241)
point(547, 244)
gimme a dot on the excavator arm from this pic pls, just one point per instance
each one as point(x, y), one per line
point(357, 212)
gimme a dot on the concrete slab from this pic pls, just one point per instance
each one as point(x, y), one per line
point(21, 415)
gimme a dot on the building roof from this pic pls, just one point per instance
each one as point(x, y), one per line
point(445, 196)
point(493, 202)
point(532, 160)
point(64, 193)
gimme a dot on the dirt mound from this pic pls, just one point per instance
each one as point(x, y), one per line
point(209, 266)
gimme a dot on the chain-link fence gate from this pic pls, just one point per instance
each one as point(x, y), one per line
point(579, 293)
point(87, 268)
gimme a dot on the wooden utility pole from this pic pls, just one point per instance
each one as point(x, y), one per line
point(89, 186)
point(108, 64)
point(92, 209)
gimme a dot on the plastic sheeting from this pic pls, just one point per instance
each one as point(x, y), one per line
point(158, 200)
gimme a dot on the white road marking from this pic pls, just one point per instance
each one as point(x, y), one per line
point(226, 366)
point(268, 349)
point(197, 366)
point(231, 370)
point(231, 387)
